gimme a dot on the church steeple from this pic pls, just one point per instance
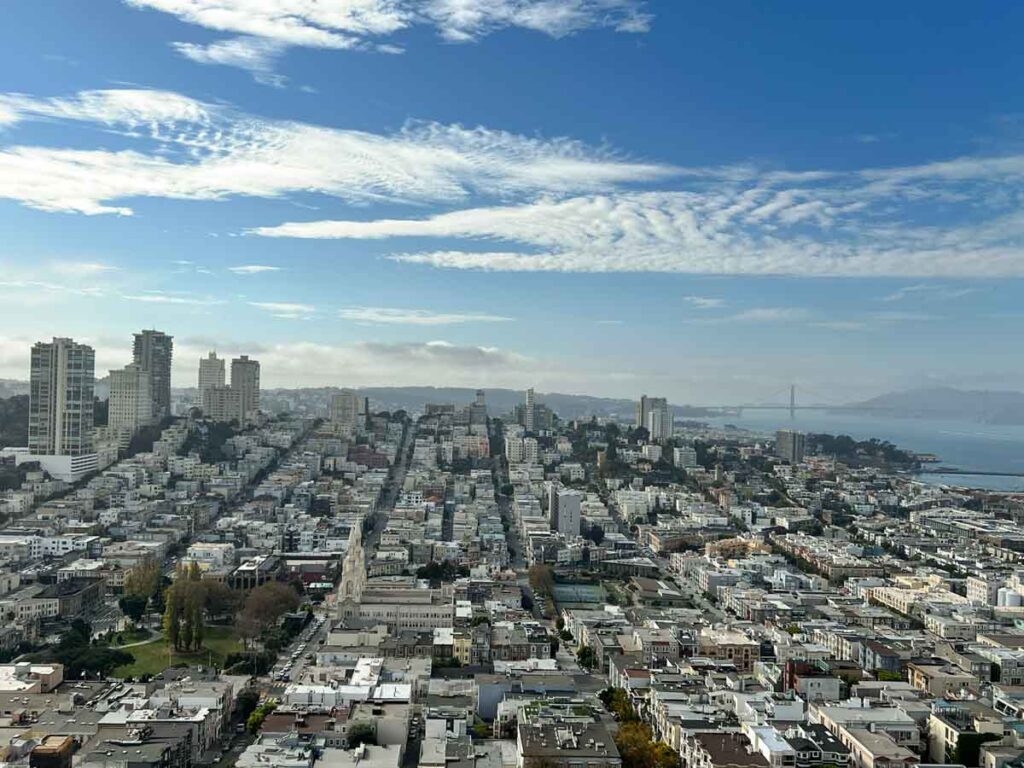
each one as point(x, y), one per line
point(353, 575)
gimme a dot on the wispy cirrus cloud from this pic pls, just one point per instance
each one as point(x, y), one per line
point(253, 269)
point(903, 317)
point(763, 315)
point(183, 149)
point(842, 325)
point(255, 54)
point(43, 289)
point(704, 302)
point(158, 297)
point(81, 268)
point(266, 28)
point(396, 316)
point(928, 291)
point(947, 219)
point(516, 203)
point(287, 310)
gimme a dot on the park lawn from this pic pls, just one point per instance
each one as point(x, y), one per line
point(135, 636)
point(152, 658)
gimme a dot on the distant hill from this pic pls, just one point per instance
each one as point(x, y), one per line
point(14, 421)
point(12, 387)
point(983, 406)
point(499, 401)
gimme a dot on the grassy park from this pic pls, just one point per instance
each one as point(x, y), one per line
point(154, 657)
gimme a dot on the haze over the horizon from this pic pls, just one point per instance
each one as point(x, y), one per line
point(606, 197)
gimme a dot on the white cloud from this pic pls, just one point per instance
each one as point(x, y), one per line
point(528, 204)
point(169, 298)
point(267, 27)
point(925, 290)
point(906, 224)
point(901, 317)
point(258, 55)
point(304, 363)
point(704, 302)
point(129, 108)
point(253, 269)
point(41, 291)
point(765, 315)
point(842, 325)
point(81, 268)
point(395, 316)
point(309, 364)
point(284, 308)
point(208, 152)
point(903, 293)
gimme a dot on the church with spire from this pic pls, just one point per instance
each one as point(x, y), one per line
point(400, 602)
point(353, 575)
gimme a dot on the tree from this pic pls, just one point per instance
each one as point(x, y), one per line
point(255, 720)
point(143, 580)
point(436, 573)
point(542, 578)
point(172, 617)
point(133, 606)
point(586, 657)
point(596, 534)
point(246, 703)
point(194, 610)
point(219, 599)
point(80, 657)
point(616, 700)
point(95, 660)
point(968, 748)
point(638, 749)
point(361, 733)
point(184, 609)
point(264, 606)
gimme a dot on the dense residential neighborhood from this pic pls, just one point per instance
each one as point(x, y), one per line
point(460, 587)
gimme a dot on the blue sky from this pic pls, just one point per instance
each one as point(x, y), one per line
point(706, 201)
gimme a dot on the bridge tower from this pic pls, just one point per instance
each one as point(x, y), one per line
point(792, 401)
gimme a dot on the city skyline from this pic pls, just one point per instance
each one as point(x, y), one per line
point(619, 198)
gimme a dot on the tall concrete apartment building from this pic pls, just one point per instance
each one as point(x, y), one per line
point(131, 400)
point(211, 373)
point(568, 510)
point(478, 409)
point(564, 509)
point(790, 445)
point(530, 411)
point(245, 380)
point(348, 409)
point(62, 377)
point(654, 415)
point(221, 404)
point(153, 351)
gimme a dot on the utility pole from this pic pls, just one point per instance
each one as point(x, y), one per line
point(792, 401)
